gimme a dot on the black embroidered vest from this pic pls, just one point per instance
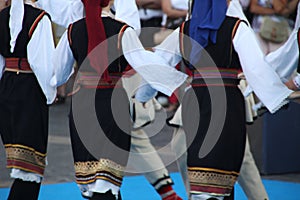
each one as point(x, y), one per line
point(222, 52)
point(78, 40)
point(31, 18)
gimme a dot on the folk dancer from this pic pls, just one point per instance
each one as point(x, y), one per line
point(27, 88)
point(213, 110)
point(99, 159)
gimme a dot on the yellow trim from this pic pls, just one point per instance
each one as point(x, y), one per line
point(218, 186)
point(99, 177)
point(24, 147)
point(93, 167)
point(212, 170)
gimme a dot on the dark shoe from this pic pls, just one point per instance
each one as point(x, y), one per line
point(103, 196)
point(119, 196)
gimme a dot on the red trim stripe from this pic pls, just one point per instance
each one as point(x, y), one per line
point(214, 72)
point(211, 189)
point(25, 166)
point(235, 28)
point(35, 23)
point(17, 63)
point(121, 34)
point(181, 35)
point(69, 34)
point(204, 85)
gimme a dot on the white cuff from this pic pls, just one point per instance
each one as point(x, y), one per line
point(99, 186)
point(25, 176)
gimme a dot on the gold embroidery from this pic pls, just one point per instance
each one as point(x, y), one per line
point(105, 177)
point(94, 167)
point(213, 170)
point(219, 178)
point(25, 154)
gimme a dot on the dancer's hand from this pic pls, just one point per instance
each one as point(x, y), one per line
point(291, 85)
point(295, 97)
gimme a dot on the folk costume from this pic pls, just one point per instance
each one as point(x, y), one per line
point(99, 169)
point(26, 87)
point(213, 110)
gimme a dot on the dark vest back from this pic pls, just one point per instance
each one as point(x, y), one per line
point(78, 39)
point(222, 52)
point(20, 51)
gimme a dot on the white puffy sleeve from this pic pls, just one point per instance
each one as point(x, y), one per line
point(262, 78)
point(285, 59)
point(63, 12)
point(127, 12)
point(63, 60)
point(169, 49)
point(154, 69)
point(39, 51)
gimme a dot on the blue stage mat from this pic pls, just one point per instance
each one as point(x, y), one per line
point(137, 188)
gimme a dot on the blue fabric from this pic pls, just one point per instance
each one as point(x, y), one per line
point(135, 187)
point(207, 17)
point(145, 92)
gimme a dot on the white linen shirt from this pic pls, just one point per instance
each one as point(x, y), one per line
point(153, 68)
point(39, 54)
point(68, 11)
point(260, 75)
point(63, 12)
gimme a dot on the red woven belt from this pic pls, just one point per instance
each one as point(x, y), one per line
point(20, 64)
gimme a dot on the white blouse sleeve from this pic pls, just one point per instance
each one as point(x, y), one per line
point(169, 49)
point(262, 78)
point(127, 12)
point(39, 51)
point(297, 21)
point(63, 60)
point(2, 63)
point(154, 69)
point(170, 52)
point(285, 59)
point(62, 12)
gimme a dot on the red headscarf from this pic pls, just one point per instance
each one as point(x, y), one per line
point(96, 35)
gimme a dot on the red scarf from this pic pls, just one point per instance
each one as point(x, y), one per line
point(96, 35)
